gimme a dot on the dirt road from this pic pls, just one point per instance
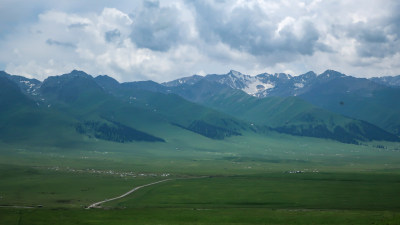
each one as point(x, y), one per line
point(97, 204)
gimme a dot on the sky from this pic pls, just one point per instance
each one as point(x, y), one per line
point(165, 40)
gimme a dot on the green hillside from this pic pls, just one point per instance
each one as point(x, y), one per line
point(292, 115)
point(361, 99)
point(75, 107)
point(178, 111)
point(77, 143)
point(11, 97)
point(72, 109)
point(24, 120)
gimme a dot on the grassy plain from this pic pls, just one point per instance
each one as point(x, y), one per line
point(247, 180)
point(189, 216)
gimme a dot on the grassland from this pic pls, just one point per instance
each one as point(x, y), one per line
point(190, 216)
point(285, 191)
point(277, 179)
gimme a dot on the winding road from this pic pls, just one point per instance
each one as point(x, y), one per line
point(97, 204)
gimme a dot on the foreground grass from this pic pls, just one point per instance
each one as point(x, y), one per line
point(247, 183)
point(336, 191)
point(190, 216)
point(275, 198)
point(26, 186)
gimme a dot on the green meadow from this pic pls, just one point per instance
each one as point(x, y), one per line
point(249, 179)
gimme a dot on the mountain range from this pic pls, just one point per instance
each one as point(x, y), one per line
point(374, 100)
point(76, 107)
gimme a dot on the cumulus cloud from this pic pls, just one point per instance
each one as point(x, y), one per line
point(378, 37)
point(163, 40)
point(247, 27)
point(158, 27)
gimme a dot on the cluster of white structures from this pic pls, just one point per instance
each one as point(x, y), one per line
point(302, 171)
point(109, 172)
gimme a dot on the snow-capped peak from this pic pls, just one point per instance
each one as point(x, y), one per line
point(235, 73)
point(265, 84)
point(252, 85)
point(282, 76)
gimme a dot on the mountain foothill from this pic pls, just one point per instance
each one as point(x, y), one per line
point(76, 107)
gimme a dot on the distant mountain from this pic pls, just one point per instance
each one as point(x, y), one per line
point(76, 88)
point(290, 115)
point(149, 95)
point(236, 80)
point(102, 102)
point(393, 81)
point(25, 120)
point(73, 107)
point(364, 99)
point(359, 98)
point(263, 85)
point(61, 112)
point(103, 108)
point(185, 80)
point(11, 95)
point(29, 86)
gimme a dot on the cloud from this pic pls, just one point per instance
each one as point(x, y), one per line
point(15, 13)
point(246, 27)
point(377, 37)
point(59, 43)
point(77, 26)
point(112, 35)
point(97, 43)
point(158, 27)
point(163, 40)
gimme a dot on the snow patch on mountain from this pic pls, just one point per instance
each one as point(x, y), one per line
point(299, 85)
point(252, 85)
point(28, 86)
point(283, 76)
point(256, 86)
point(265, 84)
